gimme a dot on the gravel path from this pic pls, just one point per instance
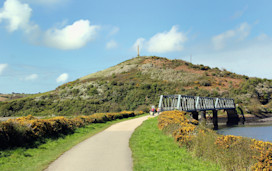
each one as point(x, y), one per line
point(106, 151)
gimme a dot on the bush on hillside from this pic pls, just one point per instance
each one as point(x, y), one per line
point(139, 88)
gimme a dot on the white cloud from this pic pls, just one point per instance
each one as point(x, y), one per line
point(16, 14)
point(3, 67)
point(17, 17)
point(243, 31)
point(253, 59)
point(72, 36)
point(139, 42)
point(163, 42)
point(238, 34)
point(62, 78)
point(114, 31)
point(111, 44)
point(31, 77)
point(239, 13)
point(262, 37)
point(167, 41)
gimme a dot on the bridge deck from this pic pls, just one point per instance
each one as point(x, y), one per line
point(194, 103)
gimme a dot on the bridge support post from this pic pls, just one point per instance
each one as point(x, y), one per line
point(215, 120)
point(233, 118)
point(195, 115)
point(242, 113)
point(203, 117)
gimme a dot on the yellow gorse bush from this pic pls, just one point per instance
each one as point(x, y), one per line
point(226, 141)
point(184, 131)
point(25, 130)
point(264, 158)
point(172, 117)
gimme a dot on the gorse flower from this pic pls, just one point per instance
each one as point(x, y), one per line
point(265, 155)
point(185, 132)
point(226, 141)
point(185, 129)
point(28, 129)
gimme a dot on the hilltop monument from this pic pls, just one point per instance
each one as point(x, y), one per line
point(138, 51)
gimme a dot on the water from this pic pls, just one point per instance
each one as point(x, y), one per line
point(257, 132)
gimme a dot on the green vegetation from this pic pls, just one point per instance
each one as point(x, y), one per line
point(228, 151)
point(136, 85)
point(13, 96)
point(38, 158)
point(26, 131)
point(153, 150)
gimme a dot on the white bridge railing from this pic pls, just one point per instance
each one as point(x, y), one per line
point(194, 103)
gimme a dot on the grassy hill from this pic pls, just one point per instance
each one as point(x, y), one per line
point(13, 96)
point(136, 84)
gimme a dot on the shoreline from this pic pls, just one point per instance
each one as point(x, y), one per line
point(250, 120)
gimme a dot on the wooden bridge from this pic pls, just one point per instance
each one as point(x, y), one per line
point(196, 104)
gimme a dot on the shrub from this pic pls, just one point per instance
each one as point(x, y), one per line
point(230, 152)
point(25, 131)
point(177, 123)
point(139, 113)
point(264, 159)
point(206, 83)
point(93, 91)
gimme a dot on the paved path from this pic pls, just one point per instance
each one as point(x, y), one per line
point(106, 151)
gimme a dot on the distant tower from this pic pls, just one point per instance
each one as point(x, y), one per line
point(138, 51)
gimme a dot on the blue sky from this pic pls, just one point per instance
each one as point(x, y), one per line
point(45, 43)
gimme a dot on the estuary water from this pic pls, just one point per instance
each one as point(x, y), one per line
point(263, 133)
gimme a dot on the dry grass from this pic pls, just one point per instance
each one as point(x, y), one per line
point(229, 152)
point(117, 69)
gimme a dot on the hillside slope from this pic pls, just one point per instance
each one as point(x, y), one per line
point(7, 97)
point(137, 83)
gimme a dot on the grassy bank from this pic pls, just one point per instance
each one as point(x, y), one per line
point(40, 157)
point(153, 150)
point(27, 131)
point(228, 151)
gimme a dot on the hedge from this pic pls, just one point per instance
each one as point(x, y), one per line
point(25, 131)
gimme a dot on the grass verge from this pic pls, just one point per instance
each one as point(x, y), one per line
point(153, 150)
point(228, 151)
point(39, 158)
